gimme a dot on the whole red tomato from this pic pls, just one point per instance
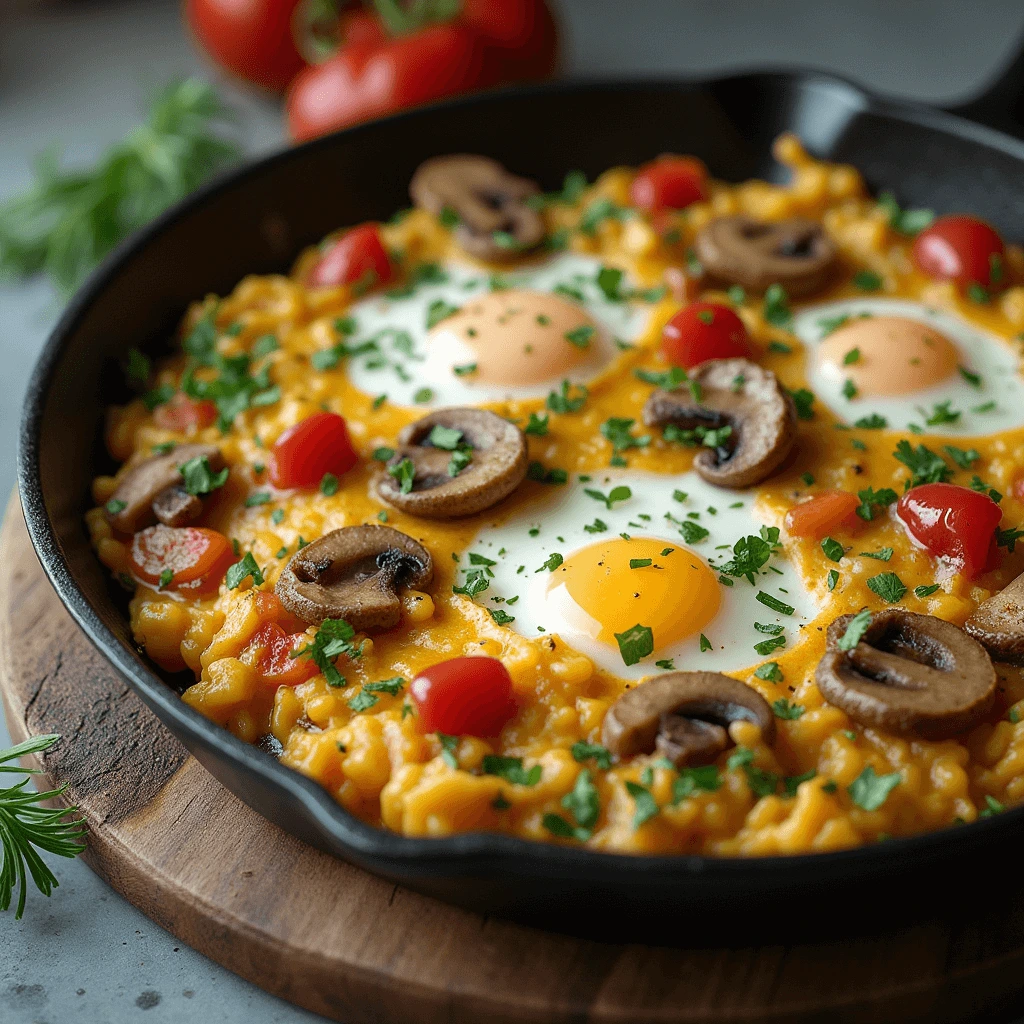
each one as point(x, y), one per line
point(250, 38)
point(396, 61)
point(702, 331)
point(961, 249)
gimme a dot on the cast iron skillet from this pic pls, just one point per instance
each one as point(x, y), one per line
point(257, 219)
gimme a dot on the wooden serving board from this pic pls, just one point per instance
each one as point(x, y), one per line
point(335, 940)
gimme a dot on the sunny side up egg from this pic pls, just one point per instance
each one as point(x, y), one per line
point(595, 559)
point(916, 368)
point(463, 337)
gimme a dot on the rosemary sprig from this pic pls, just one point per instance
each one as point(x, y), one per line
point(25, 825)
point(68, 220)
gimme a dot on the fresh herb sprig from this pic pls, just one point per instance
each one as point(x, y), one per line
point(27, 827)
point(68, 220)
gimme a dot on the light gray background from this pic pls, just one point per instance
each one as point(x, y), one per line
point(77, 72)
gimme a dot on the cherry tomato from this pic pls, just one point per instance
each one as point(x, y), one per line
point(317, 445)
point(183, 414)
point(464, 696)
point(669, 183)
point(961, 249)
point(704, 330)
point(363, 81)
point(196, 557)
point(269, 653)
point(358, 257)
point(249, 38)
point(825, 513)
point(953, 523)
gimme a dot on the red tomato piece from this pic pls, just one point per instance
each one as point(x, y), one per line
point(953, 523)
point(961, 249)
point(669, 183)
point(363, 80)
point(317, 445)
point(522, 37)
point(825, 513)
point(270, 652)
point(464, 697)
point(196, 557)
point(358, 257)
point(704, 330)
point(250, 38)
point(183, 414)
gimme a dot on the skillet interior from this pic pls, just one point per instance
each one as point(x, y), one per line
point(256, 220)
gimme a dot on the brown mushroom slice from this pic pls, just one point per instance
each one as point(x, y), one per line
point(795, 253)
point(998, 623)
point(684, 716)
point(495, 222)
point(354, 574)
point(739, 394)
point(499, 462)
point(153, 490)
point(912, 674)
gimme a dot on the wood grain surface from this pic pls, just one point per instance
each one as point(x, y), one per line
point(314, 930)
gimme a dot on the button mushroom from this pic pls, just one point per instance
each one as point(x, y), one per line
point(454, 462)
point(998, 623)
point(683, 715)
point(743, 396)
point(354, 574)
point(154, 489)
point(794, 253)
point(494, 220)
point(907, 673)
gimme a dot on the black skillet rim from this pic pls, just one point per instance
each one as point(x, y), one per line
point(476, 854)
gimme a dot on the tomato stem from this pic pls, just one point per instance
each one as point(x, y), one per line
point(403, 19)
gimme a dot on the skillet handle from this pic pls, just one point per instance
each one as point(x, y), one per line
point(1001, 104)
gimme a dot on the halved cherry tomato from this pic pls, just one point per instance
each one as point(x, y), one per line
point(358, 257)
point(250, 38)
point(364, 80)
point(669, 183)
point(825, 513)
point(953, 523)
point(269, 653)
point(183, 413)
point(464, 696)
point(704, 330)
point(196, 557)
point(961, 249)
point(317, 445)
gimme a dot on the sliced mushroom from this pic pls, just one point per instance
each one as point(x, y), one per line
point(998, 623)
point(442, 490)
point(912, 674)
point(683, 715)
point(494, 220)
point(354, 574)
point(739, 394)
point(153, 490)
point(794, 253)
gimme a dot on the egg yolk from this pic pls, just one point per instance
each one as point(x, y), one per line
point(614, 585)
point(517, 337)
point(889, 355)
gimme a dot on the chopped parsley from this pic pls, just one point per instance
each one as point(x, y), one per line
point(855, 630)
point(241, 570)
point(580, 336)
point(449, 749)
point(871, 499)
point(583, 801)
point(692, 532)
point(619, 432)
point(776, 306)
point(635, 644)
point(751, 553)
point(538, 473)
point(925, 466)
point(554, 560)
point(882, 554)
point(831, 580)
point(583, 751)
point(774, 603)
point(564, 401)
point(964, 459)
point(926, 590)
point(645, 805)
point(705, 644)
point(329, 485)
point(705, 777)
point(115, 505)
point(333, 638)
point(905, 222)
point(872, 422)
point(867, 281)
point(787, 710)
point(869, 791)
point(770, 672)
point(537, 425)
point(199, 478)
point(616, 494)
point(511, 770)
point(405, 473)
point(804, 402)
point(832, 548)
point(888, 586)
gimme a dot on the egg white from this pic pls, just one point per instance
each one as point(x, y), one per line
point(980, 353)
point(405, 364)
point(520, 545)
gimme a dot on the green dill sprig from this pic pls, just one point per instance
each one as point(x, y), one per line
point(68, 220)
point(26, 825)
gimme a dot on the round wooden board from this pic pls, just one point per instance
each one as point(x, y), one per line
point(331, 938)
